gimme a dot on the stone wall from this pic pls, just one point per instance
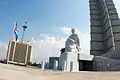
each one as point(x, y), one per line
point(105, 64)
point(105, 27)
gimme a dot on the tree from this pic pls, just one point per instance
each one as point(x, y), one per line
point(62, 50)
point(29, 63)
point(34, 64)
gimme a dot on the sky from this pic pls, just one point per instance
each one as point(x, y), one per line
point(49, 24)
point(43, 16)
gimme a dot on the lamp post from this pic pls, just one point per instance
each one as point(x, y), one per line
point(24, 28)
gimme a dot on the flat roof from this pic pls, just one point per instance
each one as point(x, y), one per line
point(86, 57)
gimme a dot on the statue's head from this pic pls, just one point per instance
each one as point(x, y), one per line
point(73, 31)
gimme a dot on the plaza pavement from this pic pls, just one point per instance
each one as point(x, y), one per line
point(14, 72)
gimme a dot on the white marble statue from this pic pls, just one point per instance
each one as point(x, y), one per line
point(69, 59)
point(72, 42)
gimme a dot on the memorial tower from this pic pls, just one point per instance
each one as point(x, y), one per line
point(105, 27)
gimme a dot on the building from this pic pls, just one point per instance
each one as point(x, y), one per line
point(19, 53)
point(51, 62)
point(105, 35)
point(85, 62)
point(80, 62)
point(105, 28)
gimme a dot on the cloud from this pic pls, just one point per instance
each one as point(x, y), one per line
point(66, 30)
point(47, 45)
point(117, 5)
point(3, 50)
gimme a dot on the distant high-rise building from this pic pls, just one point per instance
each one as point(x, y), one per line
point(105, 27)
point(19, 52)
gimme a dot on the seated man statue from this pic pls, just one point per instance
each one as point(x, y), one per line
point(72, 42)
point(68, 60)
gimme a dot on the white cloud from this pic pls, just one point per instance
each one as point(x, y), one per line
point(3, 50)
point(117, 5)
point(66, 30)
point(46, 45)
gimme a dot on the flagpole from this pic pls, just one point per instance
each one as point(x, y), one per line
point(20, 51)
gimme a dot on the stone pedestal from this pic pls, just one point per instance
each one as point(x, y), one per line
point(69, 62)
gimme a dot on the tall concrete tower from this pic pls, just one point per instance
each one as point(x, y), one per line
point(105, 27)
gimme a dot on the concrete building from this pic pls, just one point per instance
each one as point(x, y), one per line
point(19, 52)
point(81, 62)
point(105, 27)
point(51, 62)
point(105, 35)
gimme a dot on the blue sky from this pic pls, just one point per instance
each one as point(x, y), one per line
point(43, 16)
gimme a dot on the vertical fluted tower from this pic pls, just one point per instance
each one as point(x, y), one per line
point(105, 27)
